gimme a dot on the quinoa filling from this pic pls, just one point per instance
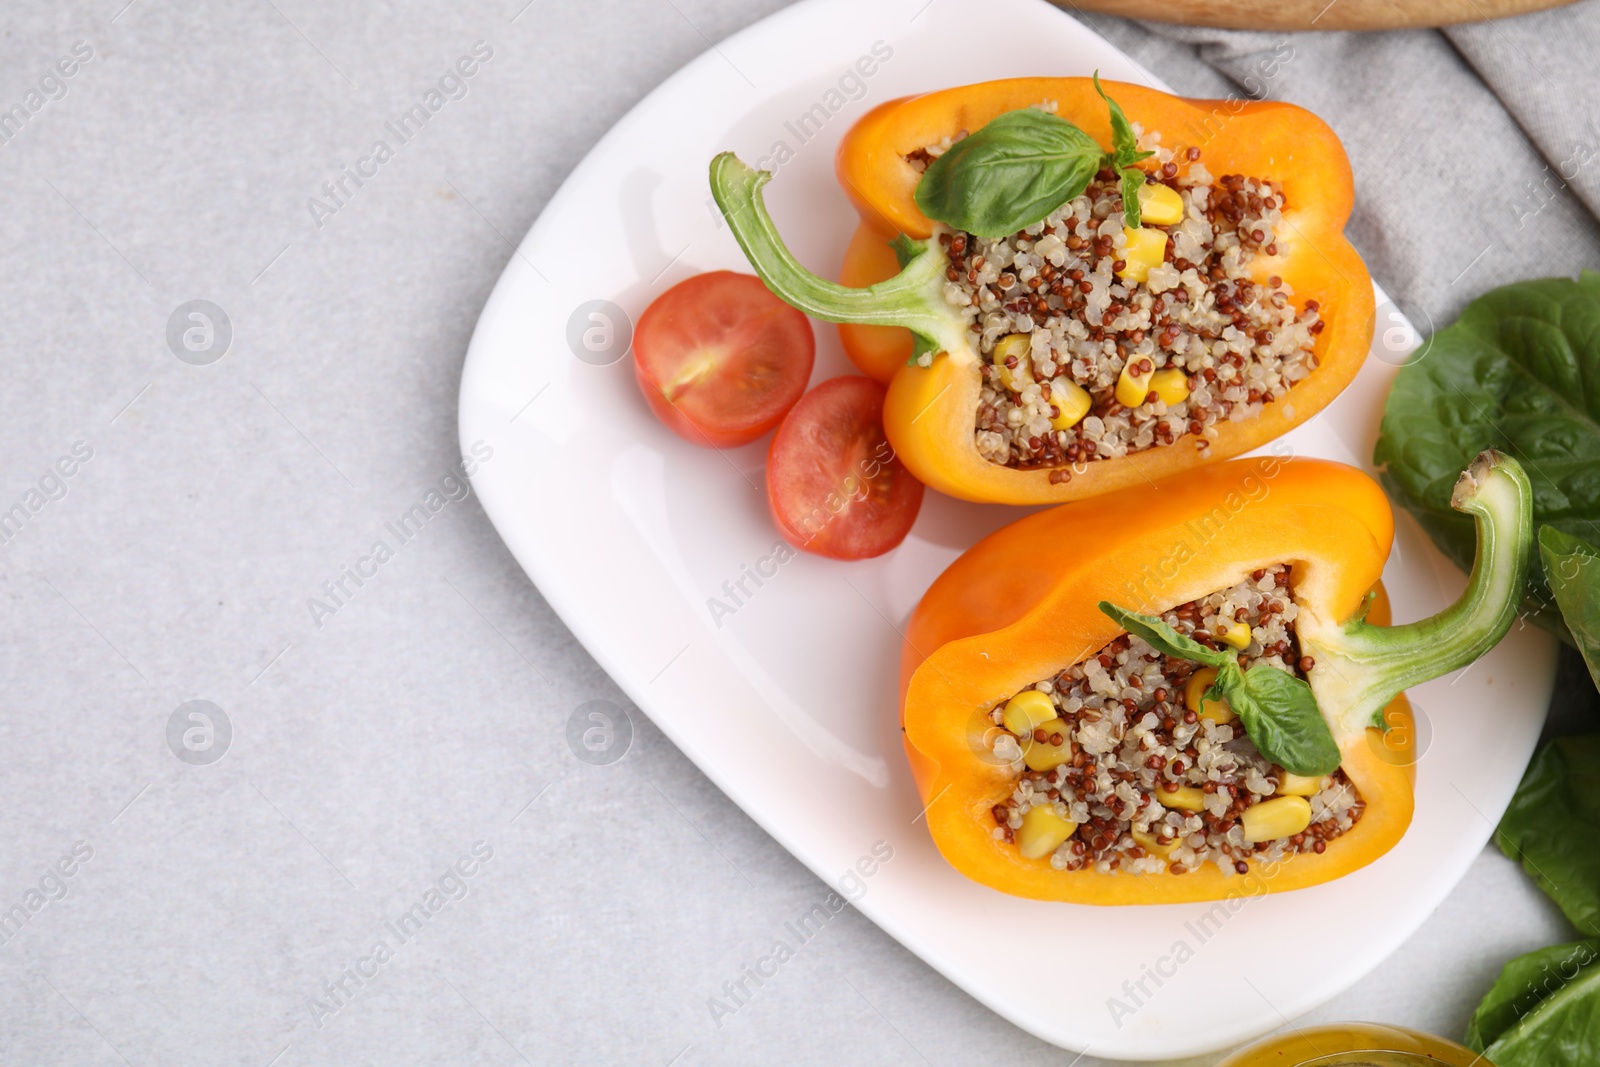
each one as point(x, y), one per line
point(1058, 324)
point(1137, 772)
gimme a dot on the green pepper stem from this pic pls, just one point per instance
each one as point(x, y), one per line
point(914, 298)
point(1361, 667)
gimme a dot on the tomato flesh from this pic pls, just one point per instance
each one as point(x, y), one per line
point(834, 484)
point(720, 359)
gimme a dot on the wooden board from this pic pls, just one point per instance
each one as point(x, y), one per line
point(1314, 14)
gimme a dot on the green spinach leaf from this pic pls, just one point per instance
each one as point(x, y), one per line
point(1553, 827)
point(1525, 984)
point(1010, 174)
point(1518, 371)
point(1572, 567)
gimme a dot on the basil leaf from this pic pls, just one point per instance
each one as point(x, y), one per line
point(1124, 154)
point(1163, 638)
point(1124, 145)
point(1010, 174)
point(1572, 567)
point(1132, 180)
point(1536, 982)
point(1552, 826)
point(1278, 710)
point(1282, 718)
point(1518, 371)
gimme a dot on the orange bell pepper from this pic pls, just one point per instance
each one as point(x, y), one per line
point(930, 411)
point(1020, 606)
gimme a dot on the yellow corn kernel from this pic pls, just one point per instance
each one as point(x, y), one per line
point(1026, 710)
point(1298, 785)
point(1132, 386)
point(1194, 697)
point(1160, 204)
point(1042, 832)
point(1152, 844)
point(1019, 345)
point(1171, 385)
point(1275, 818)
point(1187, 798)
point(1072, 401)
point(1237, 636)
point(1046, 755)
point(1145, 248)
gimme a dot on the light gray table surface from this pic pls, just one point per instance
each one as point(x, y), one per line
point(213, 906)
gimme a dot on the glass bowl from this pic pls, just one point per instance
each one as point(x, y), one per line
point(1354, 1045)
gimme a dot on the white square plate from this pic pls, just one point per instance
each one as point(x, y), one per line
point(789, 704)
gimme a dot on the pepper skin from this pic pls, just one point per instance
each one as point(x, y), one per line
point(929, 412)
point(1020, 606)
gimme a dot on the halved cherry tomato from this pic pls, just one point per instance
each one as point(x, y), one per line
point(720, 359)
point(835, 486)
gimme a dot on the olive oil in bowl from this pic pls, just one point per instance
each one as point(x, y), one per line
point(1355, 1045)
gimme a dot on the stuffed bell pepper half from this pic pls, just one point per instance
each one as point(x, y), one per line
point(1140, 698)
point(1067, 299)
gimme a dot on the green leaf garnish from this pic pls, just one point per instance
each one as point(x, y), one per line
point(1124, 145)
point(1281, 717)
point(1124, 154)
point(1022, 166)
point(1277, 709)
point(1010, 174)
point(1132, 181)
point(1163, 638)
